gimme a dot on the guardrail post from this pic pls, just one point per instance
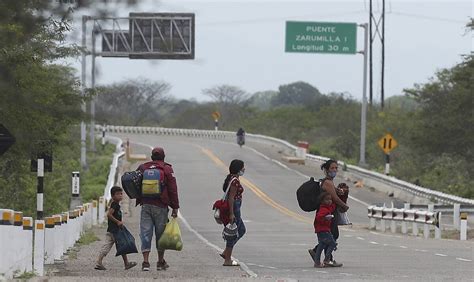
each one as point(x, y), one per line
point(49, 240)
point(463, 231)
point(94, 212)
point(456, 212)
point(427, 227)
point(17, 246)
point(38, 260)
point(6, 227)
point(438, 228)
point(101, 210)
point(58, 237)
point(66, 231)
point(406, 206)
point(393, 226)
point(28, 234)
point(415, 229)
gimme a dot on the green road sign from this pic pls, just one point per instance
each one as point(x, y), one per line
point(321, 37)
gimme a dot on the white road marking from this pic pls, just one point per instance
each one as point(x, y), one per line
point(375, 243)
point(360, 238)
point(295, 171)
point(404, 247)
point(348, 236)
point(300, 244)
point(203, 239)
point(385, 245)
point(346, 274)
point(247, 220)
point(321, 271)
point(441, 255)
point(463, 259)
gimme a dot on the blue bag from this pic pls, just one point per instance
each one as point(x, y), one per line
point(124, 242)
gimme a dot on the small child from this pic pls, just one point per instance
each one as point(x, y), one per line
point(322, 226)
point(114, 216)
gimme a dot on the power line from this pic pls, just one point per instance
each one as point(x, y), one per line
point(261, 20)
point(418, 16)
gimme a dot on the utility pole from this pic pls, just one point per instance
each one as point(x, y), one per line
point(380, 33)
point(363, 114)
point(83, 90)
point(92, 126)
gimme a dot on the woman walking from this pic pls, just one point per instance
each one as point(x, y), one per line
point(234, 196)
point(330, 170)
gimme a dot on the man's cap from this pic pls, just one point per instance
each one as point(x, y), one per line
point(158, 151)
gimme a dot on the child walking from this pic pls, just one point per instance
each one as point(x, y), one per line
point(114, 222)
point(322, 227)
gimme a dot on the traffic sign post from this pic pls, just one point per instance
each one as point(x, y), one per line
point(387, 144)
point(216, 115)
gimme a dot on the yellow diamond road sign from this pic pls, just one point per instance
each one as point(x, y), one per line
point(216, 115)
point(387, 143)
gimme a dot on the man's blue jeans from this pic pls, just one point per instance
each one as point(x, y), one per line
point(325, 242)
point(152, 218)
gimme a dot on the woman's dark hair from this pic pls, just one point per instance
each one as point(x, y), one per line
point(234, 168)
point(327, 164)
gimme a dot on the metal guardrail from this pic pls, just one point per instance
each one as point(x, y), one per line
point(390, 180)
point(445, 208)
point(113, 167)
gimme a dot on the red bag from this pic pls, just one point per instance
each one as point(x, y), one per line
point(221, 208)
point(222, 211)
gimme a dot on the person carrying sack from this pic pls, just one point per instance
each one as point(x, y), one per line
point(114, 223)
point(159, 191)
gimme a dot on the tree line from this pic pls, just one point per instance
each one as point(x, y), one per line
point(432, 121)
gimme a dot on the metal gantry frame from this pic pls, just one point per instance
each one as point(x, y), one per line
point(150, 36)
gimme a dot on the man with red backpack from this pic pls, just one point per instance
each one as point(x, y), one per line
point(159, 191)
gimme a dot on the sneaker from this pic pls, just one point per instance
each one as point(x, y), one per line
point(145, 266)
point(332, 263)
point(312, 254)
point(162, 265)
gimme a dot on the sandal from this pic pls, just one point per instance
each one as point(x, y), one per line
point(222, 256)
point(130, 265)
point(100, 267)
point(233, 263)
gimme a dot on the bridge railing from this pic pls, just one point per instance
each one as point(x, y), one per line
point(395, 217)
point(378, 179)
point(26, 245)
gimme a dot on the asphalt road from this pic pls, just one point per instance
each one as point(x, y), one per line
point(278, 232)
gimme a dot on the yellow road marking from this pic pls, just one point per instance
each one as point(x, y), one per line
point(264, 197)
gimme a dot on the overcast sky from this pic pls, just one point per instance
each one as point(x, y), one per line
point(242, 43)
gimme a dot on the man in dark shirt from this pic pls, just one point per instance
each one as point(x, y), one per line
point(114, 223)
point(154, 212)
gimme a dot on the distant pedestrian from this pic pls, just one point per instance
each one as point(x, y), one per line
point(232, 182)
point(114, 222)
point(159, 191)
point(322, 226)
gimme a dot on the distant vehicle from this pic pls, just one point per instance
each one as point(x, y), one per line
point(240, 137)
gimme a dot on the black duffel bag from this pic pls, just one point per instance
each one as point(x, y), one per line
point(131, 183)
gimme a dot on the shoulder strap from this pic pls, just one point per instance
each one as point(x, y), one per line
point(228, 188)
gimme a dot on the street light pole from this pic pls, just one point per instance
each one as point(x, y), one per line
point(92, 126)
point(363, 114)
point(83, 92)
